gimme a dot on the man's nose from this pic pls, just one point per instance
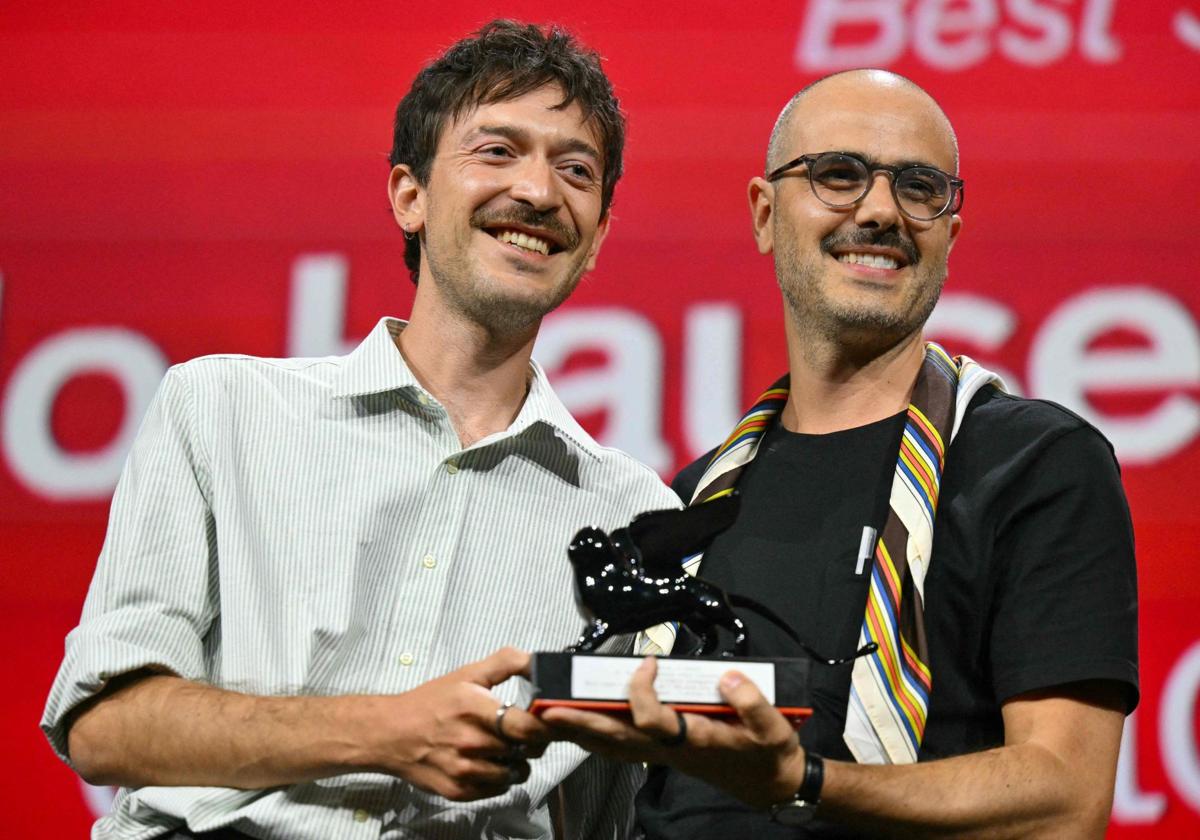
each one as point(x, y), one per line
point(537, 185)
point(878, 207)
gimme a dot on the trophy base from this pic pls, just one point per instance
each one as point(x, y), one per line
point(600, 682)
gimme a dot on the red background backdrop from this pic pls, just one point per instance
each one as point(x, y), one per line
point(184, 180)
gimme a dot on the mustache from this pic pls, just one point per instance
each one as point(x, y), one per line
point(890, 238)
point(522, 215)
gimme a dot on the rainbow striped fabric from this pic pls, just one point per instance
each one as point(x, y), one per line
point(889, 693)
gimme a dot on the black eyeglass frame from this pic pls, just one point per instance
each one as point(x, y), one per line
point(954, 201)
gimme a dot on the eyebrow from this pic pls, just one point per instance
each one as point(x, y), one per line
point(520, 135)
point(900, 164)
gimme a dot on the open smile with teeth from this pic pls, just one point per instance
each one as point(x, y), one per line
point(525, 242)
point(869, 260)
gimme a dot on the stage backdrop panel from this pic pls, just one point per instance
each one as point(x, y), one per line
point(181, 179)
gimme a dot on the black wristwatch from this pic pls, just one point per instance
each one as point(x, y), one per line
point(802, 807)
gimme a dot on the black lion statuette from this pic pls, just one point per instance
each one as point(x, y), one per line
point(634, 578)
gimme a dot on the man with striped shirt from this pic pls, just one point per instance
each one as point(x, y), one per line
point(999, 648)
point(301, 620)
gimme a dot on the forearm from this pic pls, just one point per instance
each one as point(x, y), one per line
point(1053, 777)
point(443, 736)
point(1022, 790)
point(164, 730)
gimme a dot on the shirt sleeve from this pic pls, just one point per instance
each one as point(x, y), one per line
point(153, 594)
point(1066, 602)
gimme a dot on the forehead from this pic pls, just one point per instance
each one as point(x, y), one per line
point(887, 123)
point(533, 115)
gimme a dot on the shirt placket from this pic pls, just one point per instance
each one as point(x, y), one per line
point(429, 551)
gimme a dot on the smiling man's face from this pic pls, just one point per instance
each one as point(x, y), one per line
point(863, 273)
point(511, 216)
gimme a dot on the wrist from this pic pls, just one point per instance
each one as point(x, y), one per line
point(356, 723)
point(802, 804)
point(790, 777)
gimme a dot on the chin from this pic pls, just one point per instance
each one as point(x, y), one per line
point(512, 313)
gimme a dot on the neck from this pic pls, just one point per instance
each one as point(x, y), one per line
point(836, 386)
point(480, 378)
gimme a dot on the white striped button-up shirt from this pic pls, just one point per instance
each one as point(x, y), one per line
point(314, 526)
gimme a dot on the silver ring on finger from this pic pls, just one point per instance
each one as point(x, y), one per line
point(499, 725)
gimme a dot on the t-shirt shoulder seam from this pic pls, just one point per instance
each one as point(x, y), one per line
point(1057, 408)
point(1070, 420)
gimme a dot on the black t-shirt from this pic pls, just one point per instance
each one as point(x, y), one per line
point(1032, 582)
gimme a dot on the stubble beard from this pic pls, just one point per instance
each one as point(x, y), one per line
point(477, 297)
point(813, 309)
point(482, 299)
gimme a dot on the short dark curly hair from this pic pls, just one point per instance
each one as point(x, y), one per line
point(504, 60)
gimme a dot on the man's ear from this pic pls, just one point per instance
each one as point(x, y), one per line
point(601, 233)
point(762, 204)
point(407, 198)
point(956, 224)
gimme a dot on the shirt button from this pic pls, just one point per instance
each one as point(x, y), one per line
point(422, 399)
point(451, 467)
point(407, 658)
point(428, 562)
point(360, 815)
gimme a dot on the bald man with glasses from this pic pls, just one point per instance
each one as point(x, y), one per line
point(895, 496)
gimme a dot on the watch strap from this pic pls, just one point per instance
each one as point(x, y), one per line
point(814, 777)
point(800, 809)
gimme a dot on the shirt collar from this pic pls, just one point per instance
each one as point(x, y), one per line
point(543, 405)
point(376, 365)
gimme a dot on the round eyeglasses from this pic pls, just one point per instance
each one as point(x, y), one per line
point(840, 179)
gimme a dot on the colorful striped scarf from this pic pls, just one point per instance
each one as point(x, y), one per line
point(889, 690)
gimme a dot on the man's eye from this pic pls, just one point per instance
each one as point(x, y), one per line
point(495, 151)
point(921, 187)
point(840, 177)
point(579, 172)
